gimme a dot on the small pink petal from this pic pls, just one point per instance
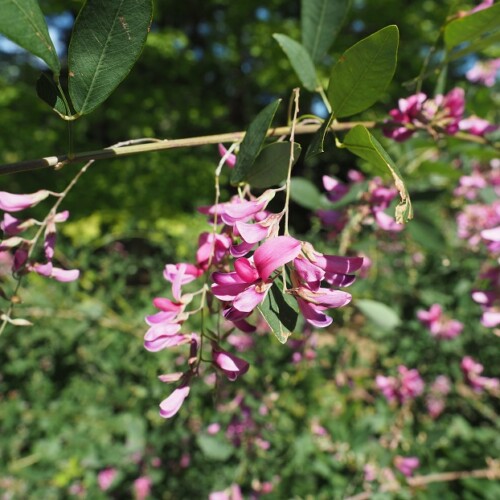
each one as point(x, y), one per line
point(171, 405)
point(230, 160)
point(274, 253)
point(15, 202)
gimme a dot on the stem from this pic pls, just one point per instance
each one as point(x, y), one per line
point(296, 93)
point(325, 99)
point(160, 145)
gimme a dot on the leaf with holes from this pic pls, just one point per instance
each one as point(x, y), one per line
point(22, 22)
point(107, 40)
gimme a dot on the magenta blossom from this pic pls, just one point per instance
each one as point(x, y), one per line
point(171, 405)
point(230, 159)
point(142, 487)
point(407, 386)
point(229, 364)
point(472, 373)
point(439, 325)
point(16, 202)
point(484, 72)
point(56, 273)
point(246, 288)
point(406, 465)
point(476, 126)
point(106, 477)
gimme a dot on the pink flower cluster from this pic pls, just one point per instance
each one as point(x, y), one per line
point(22, 247)
point(406, 386)
point(373, 204)
point(440, 326)
point(443, 114)
point(240, 260)
point(489, 297)
point(436, 398)
point(484, 72)
point(472, 372)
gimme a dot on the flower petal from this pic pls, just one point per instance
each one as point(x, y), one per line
point(274, 253)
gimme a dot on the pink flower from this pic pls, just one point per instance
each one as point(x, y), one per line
point(484, 72)
point(212, 248)
point(438, 391)
point(179, 275)
point(406, 465)
point(229, 364)
point(15, 202)
point(63, 275)
point(246, 288)
point(439, 325)
point(142, 487)
point(336, 189)
point(171, 405)
point(407, 386)
point(213, 428)
point(483, 5)
point(106, 477)
point(230, 160)
point(407, 115)
point(232, 493)
point(476, 126)
point(472, 373)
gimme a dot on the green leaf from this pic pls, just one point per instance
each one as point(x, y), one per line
point(363, 72)
point(215, 447)
point(252, 143)
point(360, 142)
point(321, 21)
point(22, 22)
point(306, 194)
point(471, 28)
point(378, 313)
point(48, 92)
point(317, 144)
point(481, 44)
point(271, 166)
point(300, 60)
point(107, 40)
point(280, 312)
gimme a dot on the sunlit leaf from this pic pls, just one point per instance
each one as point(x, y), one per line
point(300, 60)
point(22, 22)
point(271, 166)
point(107, 40)
point(321, 21)
point(470, 29)
point(280, 312)
point(379, 313)
point(362, 143)
point(363, 72)
point(253, 141)
point(306, 194)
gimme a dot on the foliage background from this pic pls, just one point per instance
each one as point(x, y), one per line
point(78, 392)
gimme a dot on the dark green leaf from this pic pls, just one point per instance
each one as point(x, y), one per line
point(321, 21)
point(378, 313)
point(471, 28)
point(22, 21)
point(107, 40)
point(317, 144)
point(306, 194)
point(363, 72)
point(252, 143)
point(300, 60)
point(271, 166)
point(360, 142)
point(480, 44)
point(48, 92)
point(280, 312)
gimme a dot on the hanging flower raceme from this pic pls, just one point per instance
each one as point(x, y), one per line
point(472, 372)
point(406, 387)
point(23, 247)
